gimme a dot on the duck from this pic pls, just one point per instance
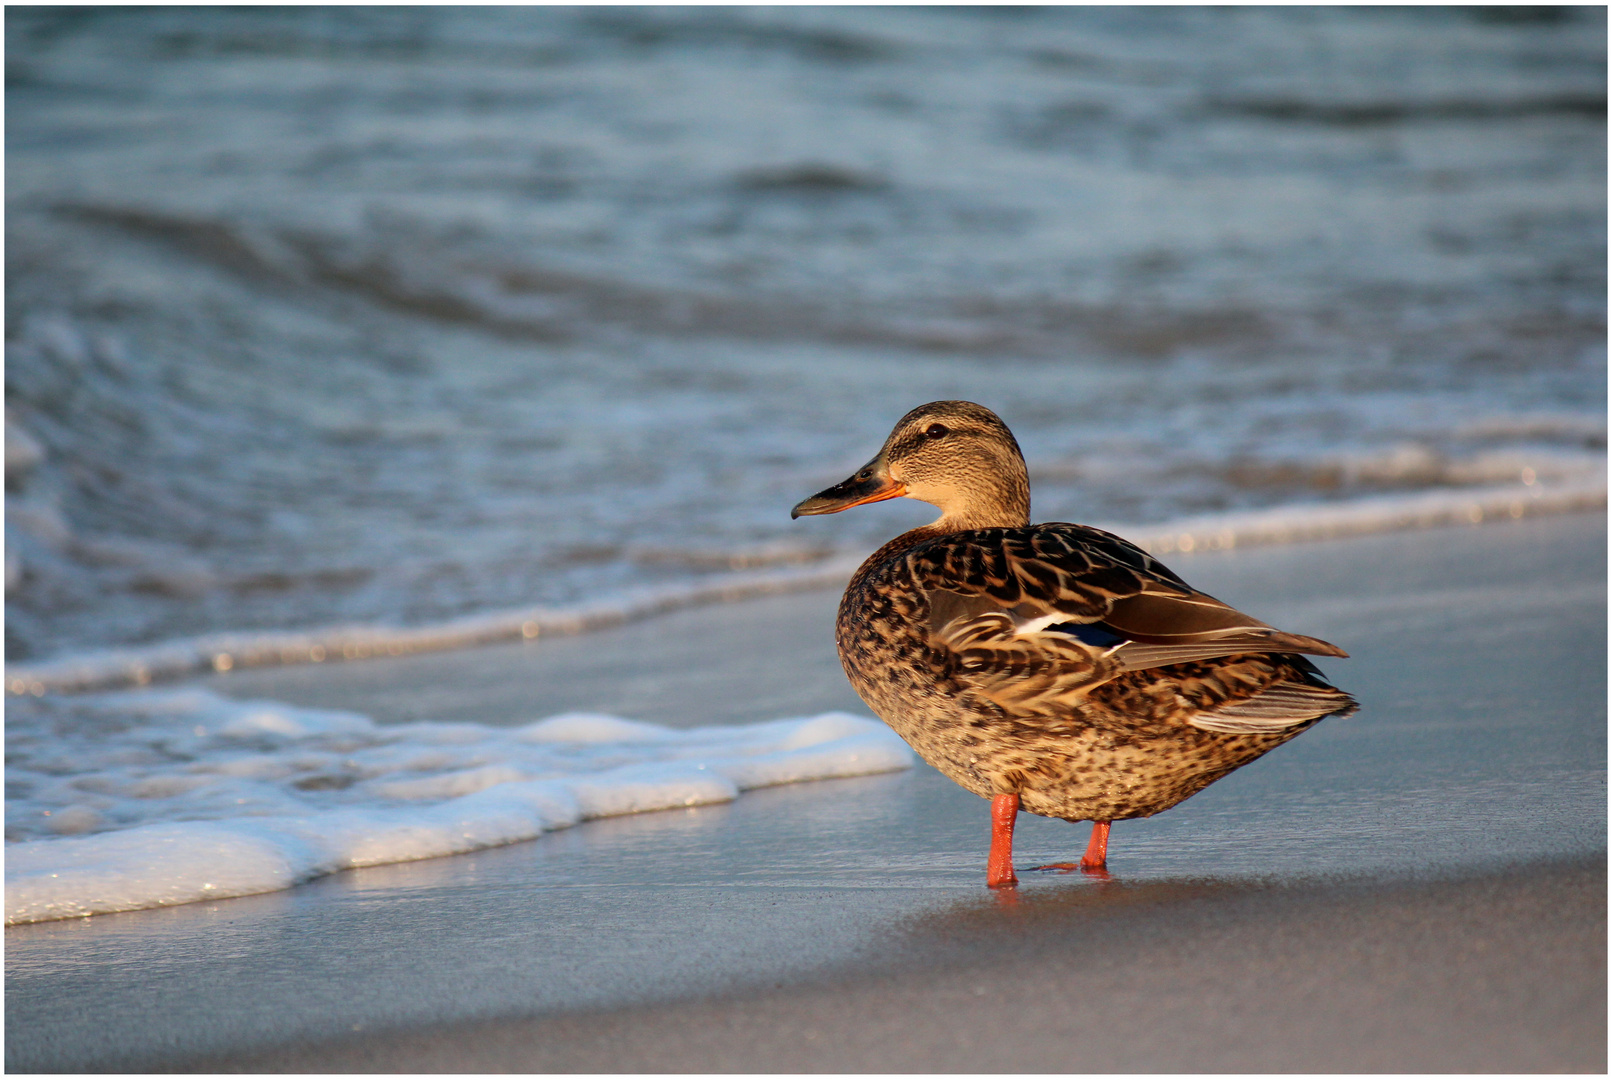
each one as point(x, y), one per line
point(1055, 669)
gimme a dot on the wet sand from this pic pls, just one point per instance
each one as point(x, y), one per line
point(1420, 887)
point(1500, 973)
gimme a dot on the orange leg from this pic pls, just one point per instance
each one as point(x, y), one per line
point(1095, 862)
point(999, 867)
point(1096, 857)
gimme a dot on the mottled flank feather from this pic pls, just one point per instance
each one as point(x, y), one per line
point(1056, 662)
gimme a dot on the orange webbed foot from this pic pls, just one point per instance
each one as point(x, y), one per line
point(1094, 863)
point(1099, 872)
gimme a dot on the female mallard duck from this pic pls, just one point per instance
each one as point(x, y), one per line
point(1054, 667)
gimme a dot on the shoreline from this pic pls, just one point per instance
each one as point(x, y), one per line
point(139, 666)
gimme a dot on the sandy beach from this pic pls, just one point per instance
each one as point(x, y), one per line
point(1418, 888)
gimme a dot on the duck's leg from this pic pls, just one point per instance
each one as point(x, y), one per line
point(1096, 857)
point(1095, 861)
point(999, 867)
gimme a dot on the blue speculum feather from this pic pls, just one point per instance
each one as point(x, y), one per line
point(1091, 633)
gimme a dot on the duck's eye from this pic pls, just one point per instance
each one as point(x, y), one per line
point(936, 431)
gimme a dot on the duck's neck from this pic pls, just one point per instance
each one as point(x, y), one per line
point(1004, 503)
point(1002, 515)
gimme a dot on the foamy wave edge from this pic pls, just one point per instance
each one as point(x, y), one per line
point(168, 863)
point(113, 668)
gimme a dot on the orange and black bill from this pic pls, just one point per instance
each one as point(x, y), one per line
point(871, 484)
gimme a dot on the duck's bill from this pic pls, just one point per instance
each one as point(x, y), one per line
point(849, 493)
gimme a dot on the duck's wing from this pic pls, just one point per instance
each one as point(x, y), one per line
point(1284, 704)
point(1042, 613)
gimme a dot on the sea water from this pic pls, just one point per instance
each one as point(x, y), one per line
point(343, 332)
point(393, 316)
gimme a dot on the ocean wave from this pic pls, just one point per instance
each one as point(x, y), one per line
point(1368, 113)
point(411, 267)
point(446, 312)
point(145, 799)
point(139, 666)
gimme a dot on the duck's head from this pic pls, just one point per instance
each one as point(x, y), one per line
point(954, 455)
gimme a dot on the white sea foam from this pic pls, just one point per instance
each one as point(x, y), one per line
point(138, 666)
point(140, 799)
point(1361, 517)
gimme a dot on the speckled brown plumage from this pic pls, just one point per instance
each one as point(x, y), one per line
point(1055, 662)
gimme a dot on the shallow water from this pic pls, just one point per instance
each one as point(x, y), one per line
point(392, 315)
point(148, 799)
point(1478, 656)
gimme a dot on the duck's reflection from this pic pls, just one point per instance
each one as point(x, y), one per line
point(1080, 901)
